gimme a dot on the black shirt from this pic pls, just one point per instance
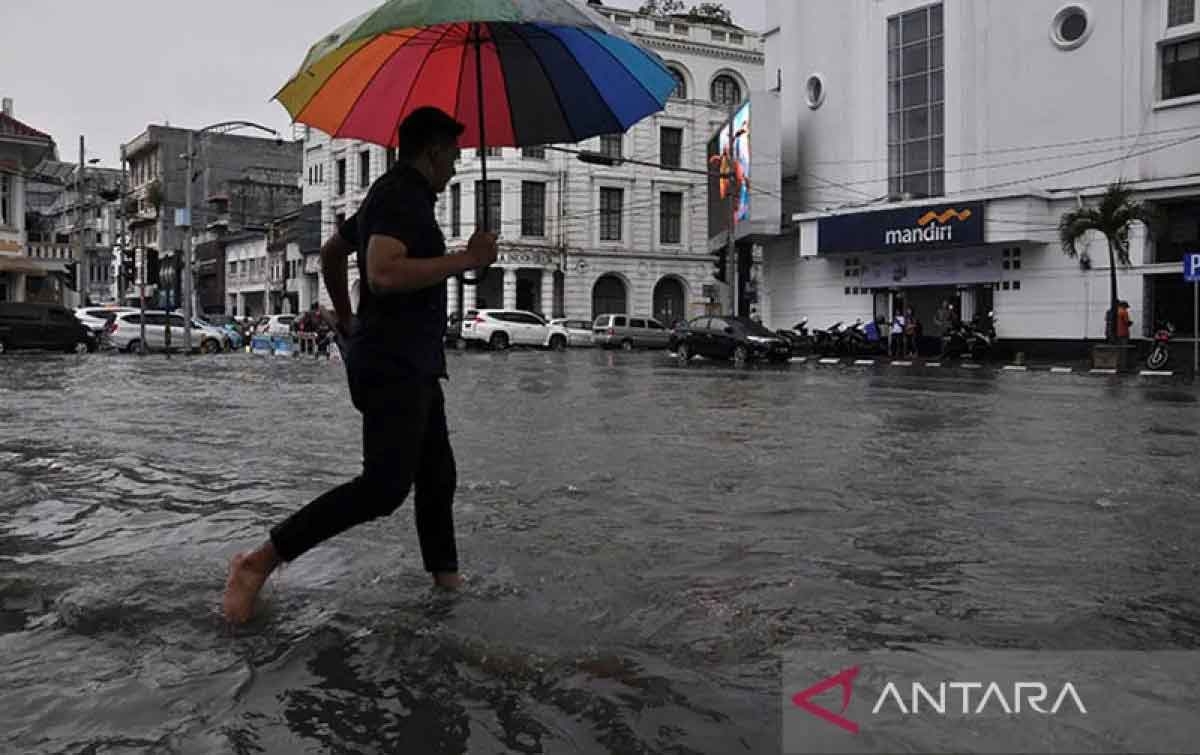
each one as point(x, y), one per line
point(400, 335)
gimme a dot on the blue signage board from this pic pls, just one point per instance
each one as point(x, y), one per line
point(907, 229)
point(1191, 267)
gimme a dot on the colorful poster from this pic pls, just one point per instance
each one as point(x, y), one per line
point(733, 161)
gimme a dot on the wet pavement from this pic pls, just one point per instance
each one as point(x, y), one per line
point(643, 542)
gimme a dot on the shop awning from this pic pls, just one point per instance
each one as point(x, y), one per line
point(30, 266)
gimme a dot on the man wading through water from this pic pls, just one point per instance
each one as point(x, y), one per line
point(395, 363)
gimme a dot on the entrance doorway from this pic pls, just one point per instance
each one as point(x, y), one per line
point(669, 302)
point(609, 297)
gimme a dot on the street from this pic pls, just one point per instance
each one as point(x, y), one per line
point(641, 542)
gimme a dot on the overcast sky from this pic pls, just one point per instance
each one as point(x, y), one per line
point(106, 69)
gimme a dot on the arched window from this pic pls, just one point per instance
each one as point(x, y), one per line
point(680, 92)
point(726, 91)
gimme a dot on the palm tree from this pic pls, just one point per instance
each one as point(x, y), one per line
point(1112, 217)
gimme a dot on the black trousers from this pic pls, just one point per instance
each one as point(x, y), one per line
point(406, 445)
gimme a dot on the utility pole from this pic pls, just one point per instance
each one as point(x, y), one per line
point(123, 243)
point(187, 253)
point(731, 257)
point(79, 220)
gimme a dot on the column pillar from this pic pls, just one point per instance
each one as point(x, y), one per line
point(241, 304)
point(510, 288)
point(547, 301)
point(268, 304)
point(18, 292)
point(451, 296)
point(469, 300)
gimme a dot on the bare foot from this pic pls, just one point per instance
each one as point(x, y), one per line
point(448, 580)
point(246, 578)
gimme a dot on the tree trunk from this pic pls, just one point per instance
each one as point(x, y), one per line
point(1112, 312)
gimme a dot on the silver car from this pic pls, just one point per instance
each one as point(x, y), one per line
point(96, 318)
point(579, 332)
point(630, 333)
point(125, 332)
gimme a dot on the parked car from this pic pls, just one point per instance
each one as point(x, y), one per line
point(738, 338)
point(501, 328)
point(125, 333)
point(96, 318)
point(579, 332)
point(212, 338)
point(274, 325)
point(629, 333)
point(29, 325)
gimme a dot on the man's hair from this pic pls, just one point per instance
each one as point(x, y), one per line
point(426, 127)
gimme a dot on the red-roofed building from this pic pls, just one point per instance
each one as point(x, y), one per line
point(26, 271)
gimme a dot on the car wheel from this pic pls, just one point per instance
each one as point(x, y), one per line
point(558, 343)
point(209, 346)
point(3, 346)
point(134, 346)
point(627, 345)
point(740, 355)
point(498, 341)
point(684, 353)
point(81, 348)
point(460, 344)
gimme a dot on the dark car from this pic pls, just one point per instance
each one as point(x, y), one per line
point(27, 325)
point(738, 338)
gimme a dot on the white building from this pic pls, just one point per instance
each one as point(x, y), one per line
point(1013, 111)
point(579, 239)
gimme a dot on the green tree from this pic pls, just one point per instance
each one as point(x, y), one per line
point(1112, 218)
point(661, 7)
point(711, 12)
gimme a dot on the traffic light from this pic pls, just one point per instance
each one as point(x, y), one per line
point(72, 276)
point(152, 267)
point(720, 264)
point(129, 266)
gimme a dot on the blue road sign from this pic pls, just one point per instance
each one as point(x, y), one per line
point(1191, 267)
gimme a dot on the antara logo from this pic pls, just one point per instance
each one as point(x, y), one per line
point(932, 226)
point(940, 699)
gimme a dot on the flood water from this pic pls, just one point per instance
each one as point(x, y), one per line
point(642, 542)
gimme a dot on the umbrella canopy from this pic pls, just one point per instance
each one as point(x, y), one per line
point(548, 71)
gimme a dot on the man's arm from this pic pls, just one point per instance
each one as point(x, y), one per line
point(334, 257)
point(390, 269)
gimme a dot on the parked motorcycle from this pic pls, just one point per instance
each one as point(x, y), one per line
point(825, 341)
point(1160, 354)
point(798, 337)
point(975, 339)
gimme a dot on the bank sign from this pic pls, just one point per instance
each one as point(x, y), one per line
point(910, 228)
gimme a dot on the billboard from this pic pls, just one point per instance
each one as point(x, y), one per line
point(925, 227)
point(729, 165)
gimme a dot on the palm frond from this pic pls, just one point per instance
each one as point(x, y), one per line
point(1074, 225)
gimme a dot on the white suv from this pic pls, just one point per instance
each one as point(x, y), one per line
point(124, 333)
point(501, 328)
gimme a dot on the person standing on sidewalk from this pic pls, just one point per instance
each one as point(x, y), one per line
point(395, 363)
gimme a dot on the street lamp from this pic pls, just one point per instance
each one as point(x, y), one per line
point(224, 127)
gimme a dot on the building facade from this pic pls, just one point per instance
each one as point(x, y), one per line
point(237, 182)
point(927, 157)
point(576, 239)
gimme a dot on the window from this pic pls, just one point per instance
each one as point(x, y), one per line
point(6, 201)
point(341, 177)
point(491, 152)
point(364, 169)
point(719, 36)
point(681, 29)
point(916, 116)
point(670, 218)
point(814, 91)
point(620, 322)
point(1181, 69)
point(1178, 233)
point(671, 146)
point(534, 153)
point(493, 205)
point(1012, 259)
point(726, 91)
point(637, 323)
point(662, 26)
point(681, 91)
point(622, 20)
point(456, 210)
point(610, 146)
point(533, 208)
point(1071, 27)
point(1180, 12)
point(736, 39)
point(611, 201)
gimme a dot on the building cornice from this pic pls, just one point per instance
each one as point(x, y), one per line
point(750, 57)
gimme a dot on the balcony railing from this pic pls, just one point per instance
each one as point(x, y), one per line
point(50, 251)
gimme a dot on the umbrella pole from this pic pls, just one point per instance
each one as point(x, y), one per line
point(487, 189)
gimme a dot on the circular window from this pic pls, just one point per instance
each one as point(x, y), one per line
point(814, 90)
point(1071, 27)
